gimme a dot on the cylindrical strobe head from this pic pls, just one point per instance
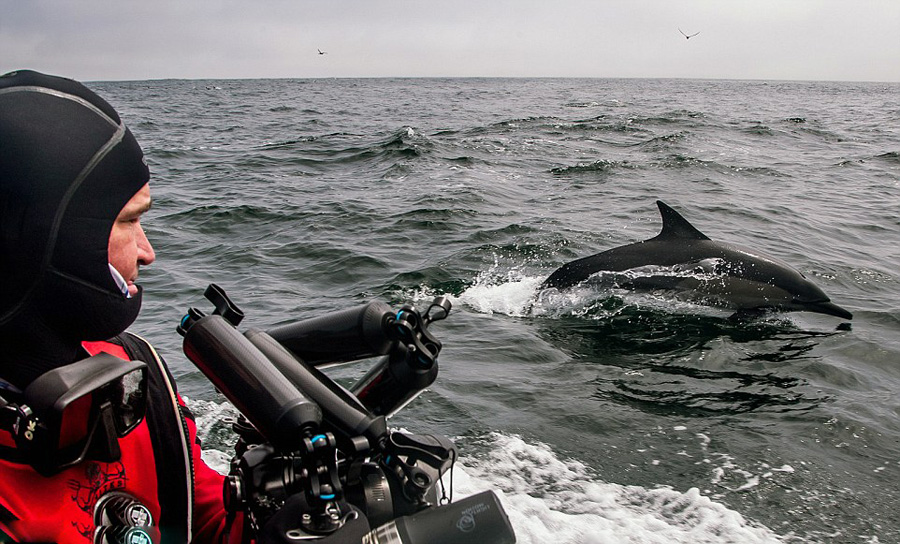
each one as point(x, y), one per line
point(251, 382)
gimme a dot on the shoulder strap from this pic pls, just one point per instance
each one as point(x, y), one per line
point(170, 440)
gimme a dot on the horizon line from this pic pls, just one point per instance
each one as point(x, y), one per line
point(683, 78)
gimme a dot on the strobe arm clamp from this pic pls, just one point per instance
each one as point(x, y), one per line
point(417, 462)
point(262, 479)
point(224, 307)
point(320, 471)
point(411, 329)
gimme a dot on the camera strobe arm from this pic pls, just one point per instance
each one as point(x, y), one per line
point(362, 332)
point(300, 474)
point(410, 364)
point(339, 336)
point(342, 411)
point(278, 410)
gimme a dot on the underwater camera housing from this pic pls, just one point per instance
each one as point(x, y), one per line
point(315, 461)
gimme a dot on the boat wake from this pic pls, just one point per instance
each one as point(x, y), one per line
point(550, 499)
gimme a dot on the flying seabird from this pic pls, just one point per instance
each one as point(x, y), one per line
point(687, 37)
point(321, 52)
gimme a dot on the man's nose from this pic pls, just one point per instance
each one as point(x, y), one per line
point(146, 255)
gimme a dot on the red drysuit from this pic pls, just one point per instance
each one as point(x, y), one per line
point(160, 467)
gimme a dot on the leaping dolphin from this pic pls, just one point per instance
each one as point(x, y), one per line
point(683, 259)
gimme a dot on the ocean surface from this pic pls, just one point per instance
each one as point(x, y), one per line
point(600, 415)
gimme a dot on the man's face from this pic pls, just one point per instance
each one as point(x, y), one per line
point(128, 245)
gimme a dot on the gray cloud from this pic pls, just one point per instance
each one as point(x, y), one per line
point(762, 39)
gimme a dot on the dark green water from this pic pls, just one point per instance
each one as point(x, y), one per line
point(604, 416)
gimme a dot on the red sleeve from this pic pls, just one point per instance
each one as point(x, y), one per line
point(209, 519)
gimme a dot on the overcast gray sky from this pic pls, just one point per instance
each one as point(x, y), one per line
point(743, 39)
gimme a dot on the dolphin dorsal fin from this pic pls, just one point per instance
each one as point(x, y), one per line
point(675, 226)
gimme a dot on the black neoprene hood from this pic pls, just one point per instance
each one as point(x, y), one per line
point(68, 165)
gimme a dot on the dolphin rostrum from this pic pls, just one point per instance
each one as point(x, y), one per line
point(683, 259)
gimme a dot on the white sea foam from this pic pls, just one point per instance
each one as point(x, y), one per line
point(492, 292)
point(508, 296)
point(549, 499)
point(517, 294)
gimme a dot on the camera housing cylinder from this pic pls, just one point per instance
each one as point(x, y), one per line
point(478, 518)
point(251, 382)
point(341, 410)
point(336, 337)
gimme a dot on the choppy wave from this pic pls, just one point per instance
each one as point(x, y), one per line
point(598, 166)
point(300, 197)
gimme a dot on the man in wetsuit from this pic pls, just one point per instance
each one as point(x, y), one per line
point(73, 188)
